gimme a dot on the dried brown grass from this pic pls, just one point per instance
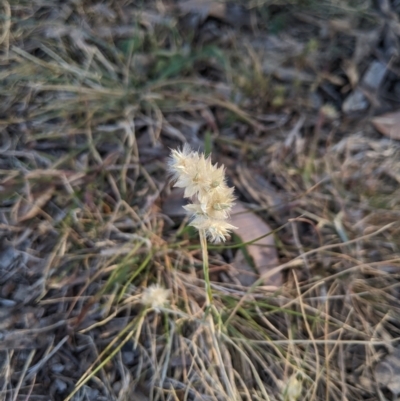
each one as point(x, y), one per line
point(90, 104)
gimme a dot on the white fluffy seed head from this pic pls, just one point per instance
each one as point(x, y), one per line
point(205, 185)
point(180, 161)
point(155, 297)
point(216, 229)
point(293, 389)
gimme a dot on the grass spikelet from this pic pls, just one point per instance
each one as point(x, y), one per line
point(205, 185)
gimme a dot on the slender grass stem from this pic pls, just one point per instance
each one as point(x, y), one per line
point(206, 267)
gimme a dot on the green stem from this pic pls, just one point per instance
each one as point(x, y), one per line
point(206, 267)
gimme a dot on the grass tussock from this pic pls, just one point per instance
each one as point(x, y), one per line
point(101, 289)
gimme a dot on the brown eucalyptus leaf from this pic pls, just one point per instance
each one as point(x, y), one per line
point(388, 124)
point(260, 191)
point(263, 253)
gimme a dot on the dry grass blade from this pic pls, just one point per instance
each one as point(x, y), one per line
point(37, 205)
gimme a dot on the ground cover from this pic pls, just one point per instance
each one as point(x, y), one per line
point(300, 102)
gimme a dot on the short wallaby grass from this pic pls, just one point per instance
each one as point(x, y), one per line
point(94, 94)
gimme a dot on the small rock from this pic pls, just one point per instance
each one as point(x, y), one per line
point(117, 387)
point(7, 303)
point(237, 15)
point(91, 393)
point(8, 255)
point(60, 385)
point(128, 357)
point(356, 101)
point(57, 367)
point(287, 74)
point(315, 100)
point(374, 75)
point(396, 90)
point(21, 293)
point(387, 372)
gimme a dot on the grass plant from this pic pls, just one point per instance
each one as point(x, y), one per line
point(104, 288)
point(212, 199)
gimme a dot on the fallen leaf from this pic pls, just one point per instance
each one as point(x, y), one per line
point(263, 253)
point(34, 208)
point(388, 124)
point(260, 191)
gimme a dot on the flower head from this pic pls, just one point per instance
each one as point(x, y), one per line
point(216, 205)
point(293, 389)
point(195, 179)
point(155, 297)
point(205, 184)
point(180, 160)
point(216, 229)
